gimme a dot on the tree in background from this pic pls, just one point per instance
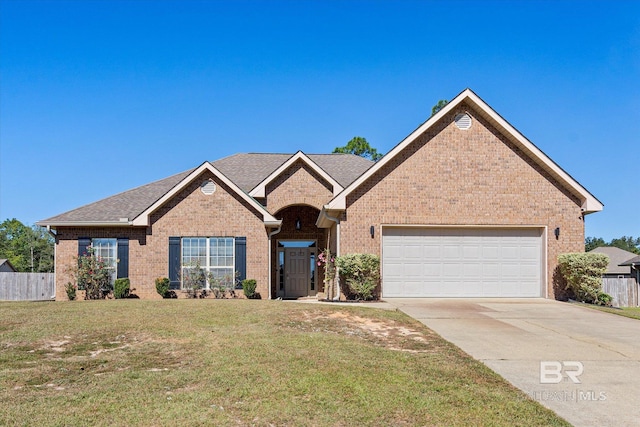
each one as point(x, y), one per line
point(28, 249)
point(360, 147)
point(628, 243)
point(439, 106)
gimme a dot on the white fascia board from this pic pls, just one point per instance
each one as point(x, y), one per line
point(260, 189)
point(143, 218)
point(54, 224)
point(589, 202)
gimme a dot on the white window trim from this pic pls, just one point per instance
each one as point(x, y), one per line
point(207, 267)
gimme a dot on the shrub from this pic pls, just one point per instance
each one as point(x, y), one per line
point(92, 275)
point(194, 278)
point(361, 272)
point(162, 286)
point(249, 288)
point(71, 291)
point(583, 273)
point(121, 288)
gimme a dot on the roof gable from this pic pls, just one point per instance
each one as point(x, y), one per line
point(144, 218)
point(259, 190)
point(588, 202)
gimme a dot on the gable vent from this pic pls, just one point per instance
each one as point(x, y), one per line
point(208, 187)
point(463, 121)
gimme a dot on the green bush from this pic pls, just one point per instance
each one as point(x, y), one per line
point(162, 286)
point(121, 288)
point(71, 291)
point(249, 288)
point(92, 275)
point(583, 273)
point(361, 272)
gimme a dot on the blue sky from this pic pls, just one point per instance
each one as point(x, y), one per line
point(97, 97)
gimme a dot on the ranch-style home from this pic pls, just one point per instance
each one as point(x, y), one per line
point(465, 206)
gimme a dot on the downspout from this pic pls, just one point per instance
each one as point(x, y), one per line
point(324, 213)
point(273, 233)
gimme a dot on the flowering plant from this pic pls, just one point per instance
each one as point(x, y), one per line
point(327, 259)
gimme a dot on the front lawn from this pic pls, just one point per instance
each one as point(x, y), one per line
point(241, 363)
point(632, 312)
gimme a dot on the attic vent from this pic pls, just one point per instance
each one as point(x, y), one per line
point(463, 121)
point(208, 187)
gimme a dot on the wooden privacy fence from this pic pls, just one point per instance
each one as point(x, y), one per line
point(27, 286)
point(624, 291)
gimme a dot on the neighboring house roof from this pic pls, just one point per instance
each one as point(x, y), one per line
point(5, 265)
point(632, 262)
point(245, 171)
point(589, 203)
point(617, 257)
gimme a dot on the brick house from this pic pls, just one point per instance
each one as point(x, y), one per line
point(464, 206)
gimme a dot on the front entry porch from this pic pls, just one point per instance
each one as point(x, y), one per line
point(294, 250)
point(296, 269)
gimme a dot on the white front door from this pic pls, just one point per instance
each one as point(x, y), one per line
point(296, 272)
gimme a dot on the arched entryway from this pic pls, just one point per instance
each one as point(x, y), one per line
point(294, 270)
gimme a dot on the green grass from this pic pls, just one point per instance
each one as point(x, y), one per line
point(632, 312)
point(241, 363)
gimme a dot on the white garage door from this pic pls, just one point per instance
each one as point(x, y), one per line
point(461, 262)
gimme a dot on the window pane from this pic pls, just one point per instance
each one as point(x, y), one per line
point(106, 250)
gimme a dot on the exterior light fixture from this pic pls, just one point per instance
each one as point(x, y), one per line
point(556, 232)
point(298, 224)
point(372, 231)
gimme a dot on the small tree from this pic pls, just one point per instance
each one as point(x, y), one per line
point(92, 274)
point(583, 273)
point(361, 272)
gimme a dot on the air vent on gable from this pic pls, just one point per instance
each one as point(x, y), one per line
point(463, 121)
point(208, 187)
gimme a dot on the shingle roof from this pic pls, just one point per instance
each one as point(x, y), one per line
point(631, 261)
point(616, 256)
point(246, 170)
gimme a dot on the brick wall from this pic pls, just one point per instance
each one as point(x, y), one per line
point(450, 176)
point(299, 184)
point(190, 213)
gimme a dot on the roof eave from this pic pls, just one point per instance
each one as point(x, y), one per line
point(54, 224)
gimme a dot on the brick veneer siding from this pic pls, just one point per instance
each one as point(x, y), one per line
point(190, 213)
point(299, 184)
point(449, 176)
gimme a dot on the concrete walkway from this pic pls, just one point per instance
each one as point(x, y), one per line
point(539, 345)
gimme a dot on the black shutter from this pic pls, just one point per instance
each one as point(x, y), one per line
point(123, 258)
point(83, 243)
point(241, 260)
point(174, 263)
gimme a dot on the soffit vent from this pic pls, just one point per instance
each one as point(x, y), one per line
point(463, 121)
point(208, 187)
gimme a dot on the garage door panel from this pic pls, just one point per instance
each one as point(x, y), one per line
point(462, 262)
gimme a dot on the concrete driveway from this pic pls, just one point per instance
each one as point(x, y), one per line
point(581, 363)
